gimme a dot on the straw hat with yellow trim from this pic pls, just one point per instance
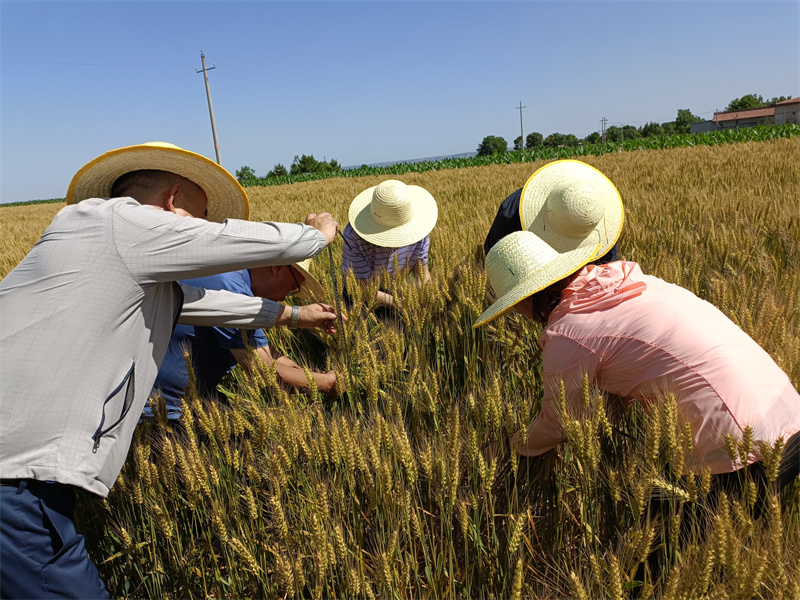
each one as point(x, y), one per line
point(570, 205)
point(311, 288)
point(393, 214)
point(226, 198)
point(521, 264)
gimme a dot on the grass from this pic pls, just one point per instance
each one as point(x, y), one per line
point(389, 492)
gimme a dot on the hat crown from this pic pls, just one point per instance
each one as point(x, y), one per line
point(391, 204)
point(572, 209)
point(515, 258)
point(162, 145)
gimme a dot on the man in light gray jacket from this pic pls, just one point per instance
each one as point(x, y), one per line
point(85, 321)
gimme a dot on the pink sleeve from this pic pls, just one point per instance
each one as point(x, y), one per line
point(563, 359)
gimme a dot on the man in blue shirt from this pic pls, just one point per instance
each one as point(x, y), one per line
point(215, 351)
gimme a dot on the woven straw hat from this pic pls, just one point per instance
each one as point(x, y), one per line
point(521, 264)
point(311, 288)
point(393, 214)
point(226, 198)
point(570, 204)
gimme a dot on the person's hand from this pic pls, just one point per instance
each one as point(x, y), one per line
point(326, 383)
point(325, 223)
point(318, 315)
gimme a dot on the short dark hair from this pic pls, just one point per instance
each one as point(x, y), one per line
point(545, 301)
point(145, 180)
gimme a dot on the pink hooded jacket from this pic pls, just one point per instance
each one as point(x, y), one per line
point(640, 337)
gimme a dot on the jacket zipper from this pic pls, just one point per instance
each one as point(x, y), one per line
point(100, 432)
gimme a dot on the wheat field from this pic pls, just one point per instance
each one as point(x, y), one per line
point(389, 491)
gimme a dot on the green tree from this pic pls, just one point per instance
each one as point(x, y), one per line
point(593, 138)
point(245, 174)
point(614, 134)
point(326, 167)
point(278, 171)
point(629, 132)
point(753, 101)
point(652, 129)
point(309, 164)
point(571, 141)
point(554, 140)
point(669, 128)
point(684, 120)
point(518, 143)
point(533, 140)
point(304, 164)
point(492, 144)
point(745, 102)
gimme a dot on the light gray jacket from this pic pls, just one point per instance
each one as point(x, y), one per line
point(86, 318)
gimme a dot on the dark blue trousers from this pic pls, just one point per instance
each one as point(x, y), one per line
point(41, 553)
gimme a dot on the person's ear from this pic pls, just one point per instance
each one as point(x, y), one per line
point(169, 196)
point(276, 270)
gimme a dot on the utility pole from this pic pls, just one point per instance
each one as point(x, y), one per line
point(210, 109)
point(521, 133)
point(603, 122)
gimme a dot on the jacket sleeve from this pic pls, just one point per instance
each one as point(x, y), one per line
point(566, 361)
point(221, 308)
point(159, 246)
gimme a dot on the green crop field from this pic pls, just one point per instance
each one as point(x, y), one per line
point(389, 492)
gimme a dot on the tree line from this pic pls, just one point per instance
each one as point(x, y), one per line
point(493, 144)
point(300, 164)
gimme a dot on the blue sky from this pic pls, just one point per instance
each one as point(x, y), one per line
point(363, 82)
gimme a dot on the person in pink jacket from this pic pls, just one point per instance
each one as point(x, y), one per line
point(639, 337)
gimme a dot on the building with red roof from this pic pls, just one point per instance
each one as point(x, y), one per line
point(787, 111)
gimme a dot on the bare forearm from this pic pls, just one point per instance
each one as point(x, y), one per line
point(294, 376)
point(290, 373)
point(382, 297)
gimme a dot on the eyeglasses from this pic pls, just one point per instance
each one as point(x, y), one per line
point(296, 290)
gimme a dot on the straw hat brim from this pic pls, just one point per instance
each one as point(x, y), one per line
point(545, 179)
point(226, 198)
point(311, 288)
point(563, 266)
point(424, 212)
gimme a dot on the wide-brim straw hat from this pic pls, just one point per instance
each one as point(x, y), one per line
point(393, 214)
point(521, 264)
point(311, 288)
point(226, 198)
point(570, 204)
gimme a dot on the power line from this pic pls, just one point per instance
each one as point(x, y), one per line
point(521, 132)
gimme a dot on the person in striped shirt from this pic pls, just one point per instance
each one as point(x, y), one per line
point(390, 225)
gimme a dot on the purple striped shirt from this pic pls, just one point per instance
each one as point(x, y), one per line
point(367, 259)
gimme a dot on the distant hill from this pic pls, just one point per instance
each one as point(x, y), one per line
point(414, 160)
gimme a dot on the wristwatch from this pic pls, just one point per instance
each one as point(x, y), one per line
point(295, 317)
